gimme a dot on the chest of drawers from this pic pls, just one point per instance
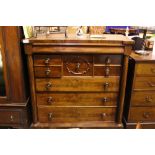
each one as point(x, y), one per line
point(140, 95)
point(78, 83)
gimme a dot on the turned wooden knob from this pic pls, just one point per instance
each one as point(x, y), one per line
point(107, 71)
point(105, 99)
point(148, 99)
point(47, 60)
point(106, 85)
point(50, 116)
point(47, 71)
point(12, 118)
point(108, 61)
point(50, 100)
point(103, 115)
point(48, 85)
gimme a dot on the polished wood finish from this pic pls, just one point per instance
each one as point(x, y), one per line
point(141, 114)
point(122, 31)
point(52, 71)
point(146, 70)
point(143, 98)
point(75, 114)
point(14, 107)
point(77, 99)
point(87, 87)
point(140, 100)
point(78, 84)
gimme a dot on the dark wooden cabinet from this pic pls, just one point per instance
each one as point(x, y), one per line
point(140, 92)
point(14, 96)
point(78, 82)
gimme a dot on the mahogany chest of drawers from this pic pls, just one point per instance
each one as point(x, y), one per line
point(140, 93)
point(78, 83)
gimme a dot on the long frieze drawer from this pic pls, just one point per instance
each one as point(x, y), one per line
point(74, 114)
point(51, 71)
point(144, 83)
point(77, 99)
point(7, 117)
point(90, 84)
point(77, 65)
point(138, 114)
point(143, 98)
point(108, 59)
point(145, 69)
point(107, 70)
point(47, 60)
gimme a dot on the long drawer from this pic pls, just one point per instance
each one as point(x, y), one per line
point(53, 59)
point(79, 84)
point(143, 98)
point(137, 114)
point(145, 69)
point(74, 114)
point(77, 99)
point(144, 83)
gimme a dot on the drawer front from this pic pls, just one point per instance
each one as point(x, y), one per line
point(108, 59)
point(47, 60)
point(107, 71)
point(137, 114)
point(77, 65)
point(145, 69)
point(77, 99)
point(75, 114)
point(10, 117)
point(51, 71)
point(144, 83)
point(89, 84)
point(143, 98)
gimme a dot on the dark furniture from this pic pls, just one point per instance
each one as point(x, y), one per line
point(122, 31)
point(140, 92)
point(78, 83)
point(14, 97)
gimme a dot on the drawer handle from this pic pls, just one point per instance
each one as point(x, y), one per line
point(105, 99)
point(12, 118)
point(146, 114)
point(151, 84)
point(106, 85)
point(148, 99)
point(108, 61)
point(153, 70)
point(47, 61)
point(107, 71)
point(47, 71)
point(50, 116)
point(50, 100)
point(103, 115)
point(48, 85)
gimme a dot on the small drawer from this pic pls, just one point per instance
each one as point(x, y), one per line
point(137, 114)
point(108, 59)
point(107, 71)
point(74, 114)
point(9, 117)
point(77, 65)
point(77, 99)
point(47, 60)
point(145, 69)
point(51, 71)
point(77, 84)
point(144, 83)
point(143, 98)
